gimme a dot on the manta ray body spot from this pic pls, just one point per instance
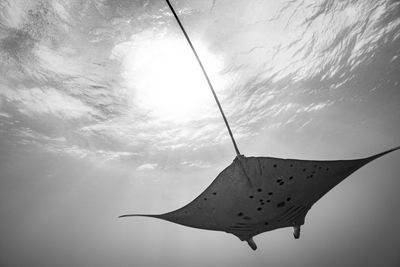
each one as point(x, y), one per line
point(281, 204)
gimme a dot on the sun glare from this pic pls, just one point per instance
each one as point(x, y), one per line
point(168, 81)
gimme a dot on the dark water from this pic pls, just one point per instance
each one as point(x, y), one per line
point(104, 111)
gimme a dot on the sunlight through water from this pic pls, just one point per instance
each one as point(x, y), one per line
point(166, 80)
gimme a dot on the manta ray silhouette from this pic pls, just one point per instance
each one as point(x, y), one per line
point(259, 194)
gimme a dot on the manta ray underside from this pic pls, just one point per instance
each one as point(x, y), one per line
point(259, 194)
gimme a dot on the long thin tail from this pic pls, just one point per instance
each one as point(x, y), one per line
point(206, 76)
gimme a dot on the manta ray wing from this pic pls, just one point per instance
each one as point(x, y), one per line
point(259, 194)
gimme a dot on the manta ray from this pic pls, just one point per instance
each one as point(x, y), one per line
point(254, 195)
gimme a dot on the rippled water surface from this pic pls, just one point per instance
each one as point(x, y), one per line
point(104, 110)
